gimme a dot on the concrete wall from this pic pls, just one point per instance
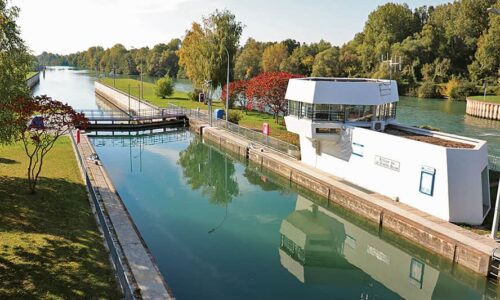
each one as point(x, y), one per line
point(483, 109)
point(33, 80)
point(122, 99)
point(403, 181)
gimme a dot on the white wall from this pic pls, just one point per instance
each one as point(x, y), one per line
point(465, 186)
point(464, 165)
point(346, 91)
point(121, 99)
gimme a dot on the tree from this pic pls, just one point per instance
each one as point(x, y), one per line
point(41, 121)
point(236, 94)
point(203, 52)
point(211, 172)
point(273, 56)
point(327, 63)
point(388, 24)
point(15, 63)
point(249, 61)
point(487, 56)
point(164, 87)
point(268, 91)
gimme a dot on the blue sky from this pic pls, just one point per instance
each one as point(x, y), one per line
point(65, 26)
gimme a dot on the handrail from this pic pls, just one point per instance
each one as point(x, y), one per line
point(255, 136)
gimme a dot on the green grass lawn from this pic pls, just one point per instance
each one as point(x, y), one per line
point(178, 98)
point(255, 119)
point(50, 246)
point(489, 98)
point(30, 74)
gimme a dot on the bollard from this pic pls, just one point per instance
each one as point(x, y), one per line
point(78, 136)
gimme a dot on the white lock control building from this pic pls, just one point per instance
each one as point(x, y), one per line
point(348, 128)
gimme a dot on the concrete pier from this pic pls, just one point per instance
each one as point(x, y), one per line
point(481, 109)
point(459, 245)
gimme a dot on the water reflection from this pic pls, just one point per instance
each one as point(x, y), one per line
point(320, 247)
point(210, 171)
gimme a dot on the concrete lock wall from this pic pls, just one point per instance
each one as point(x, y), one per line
point(393, 166)
point(33, 80)
point(121, 99)
point(482, 109)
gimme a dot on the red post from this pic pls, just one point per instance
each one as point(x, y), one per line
point(78, 136)
point(265, 128)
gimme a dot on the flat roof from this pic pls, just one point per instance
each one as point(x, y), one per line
point(348, 91)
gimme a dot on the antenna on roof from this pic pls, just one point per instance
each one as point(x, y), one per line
point(391, 63)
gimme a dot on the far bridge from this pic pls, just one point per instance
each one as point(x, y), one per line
point(147, 118)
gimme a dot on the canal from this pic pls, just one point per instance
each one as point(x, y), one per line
point(220, 228)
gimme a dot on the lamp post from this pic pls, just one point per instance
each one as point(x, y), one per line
point(227, 86)
point(496, 217)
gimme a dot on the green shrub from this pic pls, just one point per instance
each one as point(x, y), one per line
point(428, 89)
point(463, 90)
point(235, 116)
point(193, 96)
point(164, 87)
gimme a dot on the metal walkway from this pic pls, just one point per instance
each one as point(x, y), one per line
point(118, 119)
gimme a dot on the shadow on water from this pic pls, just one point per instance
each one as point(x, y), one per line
point(51, 246)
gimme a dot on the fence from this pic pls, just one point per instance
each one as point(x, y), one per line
point(252, 135)
point(127, 288)
point(118, 115)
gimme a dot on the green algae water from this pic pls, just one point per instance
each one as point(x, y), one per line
point(220, 228)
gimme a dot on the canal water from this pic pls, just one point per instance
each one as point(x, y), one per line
point(220, 228)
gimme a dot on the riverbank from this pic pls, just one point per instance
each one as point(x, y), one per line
point(50, 246)
point(32, 79)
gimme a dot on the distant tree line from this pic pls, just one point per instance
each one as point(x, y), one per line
point(457, 42)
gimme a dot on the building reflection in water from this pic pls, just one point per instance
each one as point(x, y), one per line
point(319, 247)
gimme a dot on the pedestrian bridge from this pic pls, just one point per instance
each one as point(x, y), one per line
point(119, 119)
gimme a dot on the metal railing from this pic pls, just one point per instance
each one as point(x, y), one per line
point(494, 163)
point(118, 115)
point(252, 135)
point(126, 286)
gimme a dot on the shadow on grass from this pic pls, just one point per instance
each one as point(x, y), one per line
point(49, 243)
point(7, 161)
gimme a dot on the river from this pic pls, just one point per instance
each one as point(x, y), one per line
point(220, 228)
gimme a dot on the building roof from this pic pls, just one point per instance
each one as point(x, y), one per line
point(349, 91)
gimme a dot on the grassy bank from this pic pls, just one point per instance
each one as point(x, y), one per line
point(178, 98)
point(30, 74)
point(255, 119)
point(50, 246)
point(490, 98)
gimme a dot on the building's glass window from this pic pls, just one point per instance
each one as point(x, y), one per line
point(293, 108)
point(341, 113)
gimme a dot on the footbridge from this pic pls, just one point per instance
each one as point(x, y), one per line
point(146, 118)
